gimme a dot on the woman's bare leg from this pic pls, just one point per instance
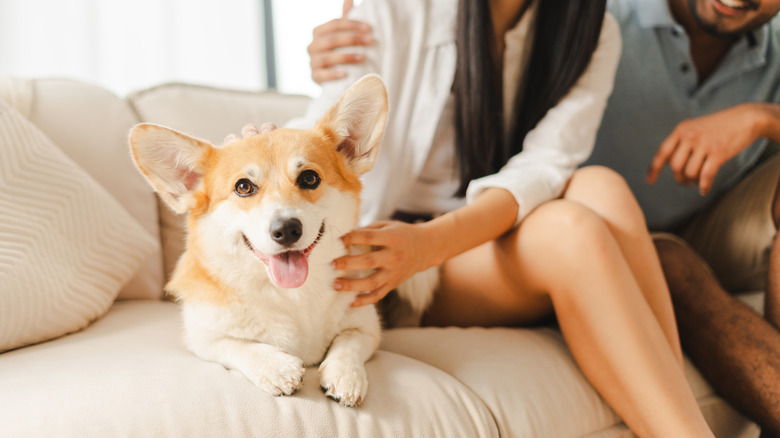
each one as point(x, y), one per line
point(609, 326)
point(606, 193)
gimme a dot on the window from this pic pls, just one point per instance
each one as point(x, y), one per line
point(126, 45)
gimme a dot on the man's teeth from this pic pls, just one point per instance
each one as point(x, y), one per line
point(735, 4)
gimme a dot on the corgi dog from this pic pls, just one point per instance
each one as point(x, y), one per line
point(265, 217)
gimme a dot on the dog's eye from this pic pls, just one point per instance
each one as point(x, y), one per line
point(308, 179)
point(244, 187)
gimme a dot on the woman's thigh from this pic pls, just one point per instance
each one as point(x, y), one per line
point(514, 279)
point(508, 281)
point(481, 287)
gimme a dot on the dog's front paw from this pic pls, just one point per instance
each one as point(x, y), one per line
point(278, 374)
point(343, 381)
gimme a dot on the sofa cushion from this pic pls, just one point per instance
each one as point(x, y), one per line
point(527, 378)
point(130, 375)
point(532, 385)
point(210, 114)
point(66, 246)
point(90, 125)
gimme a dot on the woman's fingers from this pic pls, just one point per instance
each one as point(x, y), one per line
point(370, 260)
point(267, 127)
point(249, 130)
point(373, 282)
point(369, 298)
point(229, 139)
point(375, 234)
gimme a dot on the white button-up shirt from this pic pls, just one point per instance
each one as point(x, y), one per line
point(414, 53)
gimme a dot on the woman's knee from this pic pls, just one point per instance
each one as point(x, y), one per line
point(563, 228)
point(606, 192)
point(562, 237)
point(593, 175)
point(599, 181)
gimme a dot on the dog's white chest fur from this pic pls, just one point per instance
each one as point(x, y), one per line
point(301, 322)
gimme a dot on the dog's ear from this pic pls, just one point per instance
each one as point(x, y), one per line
point(358, 120)
point(172, 162)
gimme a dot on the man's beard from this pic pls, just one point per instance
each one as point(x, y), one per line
point(712, 28)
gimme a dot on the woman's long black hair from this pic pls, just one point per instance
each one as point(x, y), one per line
point(566, 35)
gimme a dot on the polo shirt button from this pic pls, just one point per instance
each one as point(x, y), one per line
point(675, 33)
point(684, 67)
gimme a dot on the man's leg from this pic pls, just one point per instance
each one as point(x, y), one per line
point(772, 299)
point(735, 349)
point(732, 249)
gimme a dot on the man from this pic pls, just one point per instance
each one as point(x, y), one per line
point(694, 104)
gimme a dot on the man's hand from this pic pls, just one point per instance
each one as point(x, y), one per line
point(697, 148)
point(337, 33)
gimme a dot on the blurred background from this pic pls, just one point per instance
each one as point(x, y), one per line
point(125, 45)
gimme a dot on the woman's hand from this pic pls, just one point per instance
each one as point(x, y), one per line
point(336, 33)
point(249, 130)
point(697, 148)
point(399, 250)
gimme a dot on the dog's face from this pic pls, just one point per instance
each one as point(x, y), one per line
point(281, 198)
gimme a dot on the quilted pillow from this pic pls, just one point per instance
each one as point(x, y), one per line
point(66, 246)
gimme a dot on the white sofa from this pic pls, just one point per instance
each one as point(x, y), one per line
point(123, 370)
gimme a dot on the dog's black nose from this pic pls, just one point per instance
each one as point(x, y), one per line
point(286, 231)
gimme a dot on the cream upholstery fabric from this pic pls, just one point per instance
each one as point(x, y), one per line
point(213, 113)
point(530, 382)
point(129, 375)
point(66, 246)
point(90, 125)
point(512, 356)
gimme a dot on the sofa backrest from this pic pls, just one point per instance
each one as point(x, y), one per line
point(91, 124)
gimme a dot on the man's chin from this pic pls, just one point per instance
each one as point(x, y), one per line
point(715, 25)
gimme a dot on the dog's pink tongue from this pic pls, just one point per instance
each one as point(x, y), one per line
point(289, 269)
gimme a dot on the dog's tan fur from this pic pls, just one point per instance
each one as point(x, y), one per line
point(235, 311)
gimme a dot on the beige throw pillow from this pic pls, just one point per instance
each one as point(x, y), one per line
point(66, 246)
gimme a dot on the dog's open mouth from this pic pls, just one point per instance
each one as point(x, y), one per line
point(288, 269)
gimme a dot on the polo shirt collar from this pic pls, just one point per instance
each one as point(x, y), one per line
point(748, 53)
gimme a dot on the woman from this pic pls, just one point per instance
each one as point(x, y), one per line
point(492, 109)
